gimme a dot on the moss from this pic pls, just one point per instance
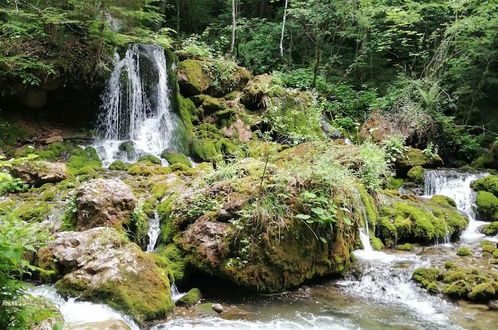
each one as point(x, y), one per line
point(487, 206)
point(416, 174)
point(395, 183)
point(457, 289)
point(488, 183)
point(119, 165)
point(187, 111)
point(415, 157)
point(146, 168)
point(464, 252)
point(175, 260)
point(425, 276)
point(193, 80)
point(485, 160)
point(387, 231)
point(482, 292)
point(370, 207)
point(443, 200)
point(192, 297)
point(150, 158)
point(376, 243)
point(495, 253)
point(10, 133)
point(205, 150)
point(210, 104)
point(31, 211)
point(491, 229)
point(84, 161)
point(404, 247)
point(433, 288)
point(176, 158)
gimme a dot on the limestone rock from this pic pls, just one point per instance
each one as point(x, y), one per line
point(104, 202)
point(101, 265)
point(37, 173)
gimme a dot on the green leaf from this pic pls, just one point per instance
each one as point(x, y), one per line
point(323, 240)
point(303, 216)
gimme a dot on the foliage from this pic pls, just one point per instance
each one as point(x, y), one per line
point(8, 184)
point(18, 238)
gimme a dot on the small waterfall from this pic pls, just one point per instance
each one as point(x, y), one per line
point(175, 293)
point(79, 312)
point(136, 107)
point(153, 232)
point(456, 185)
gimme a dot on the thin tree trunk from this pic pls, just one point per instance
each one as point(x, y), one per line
point(283, 29)
point(317, 64)
point(234, 26)
point(178, 16)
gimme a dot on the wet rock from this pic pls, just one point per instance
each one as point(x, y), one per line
point(101, 265)
point(378, 127)
point(104, 202)
point(192, 297)
point(105, 325)
point(493, 304)
point(191, 78)
point(128, 147)
point(217, 308)
point(37, 173)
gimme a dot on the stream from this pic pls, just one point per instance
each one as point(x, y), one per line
point(378, 295)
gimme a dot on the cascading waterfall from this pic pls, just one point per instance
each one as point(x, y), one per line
point(175, 293)
point(136, 107)
point(153, 231)
point(456, 185)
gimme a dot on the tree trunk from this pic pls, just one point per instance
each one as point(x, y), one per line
point(283, 29)
point(178, 16)
point(234, 26)
point(317, 64)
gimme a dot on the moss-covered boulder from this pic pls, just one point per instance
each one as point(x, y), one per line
point(101, 265)
point(191, 78)
point(176, 158)
point(417, 220)
point(415, 157)
point(37, 173)
point(192, 297)
point(488, 183)
point(104, 202)
point(128, 149)
point(491, 229)
point(464, 252)
point(416, 174)
point(119, 165)
point(426, 276)
point(150, 158)
point(487, 206)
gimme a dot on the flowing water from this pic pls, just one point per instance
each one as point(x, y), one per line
point(153, 231)
point(79, 312)
point(456, 185)
point(136, 107)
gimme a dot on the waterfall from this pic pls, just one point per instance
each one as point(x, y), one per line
point(175, 293)
point(456, 185)
point(153, 232)
point(136, 107)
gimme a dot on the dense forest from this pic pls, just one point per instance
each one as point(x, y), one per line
point(254, 143)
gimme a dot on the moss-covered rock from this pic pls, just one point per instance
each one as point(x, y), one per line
point(464, 252)
point(191, 77)
point(37, 173)
point(416, 220)
point(488, 183)
point(487, 206)
point(146, 168)
point(176, 158)
point(415, 157)
point(491, 229)
point(483, 291)
point(425, 276)
point(192, 297)
point(150, 158)
point(119, 165)
point(416, 174)
point(128, 148)
point(404, 247)
point(100, 265)
point(84, 162)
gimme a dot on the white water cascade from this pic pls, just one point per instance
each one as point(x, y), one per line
point(136, 107)
point(153, 231)
point(175, 293)
point(77, 312)
point(456, 185)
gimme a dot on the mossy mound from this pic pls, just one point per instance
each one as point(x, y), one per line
point(488, 183)
point(176, 158)
point(416, 220)
point(491, 229)
point(458, 282)
point(192, 297)
point(415, 157)
point(150, 158)
point(487, 206)
point(210, 145)
point(416, 174)
point(404, 247)
point(464, 252)
point(119, 165)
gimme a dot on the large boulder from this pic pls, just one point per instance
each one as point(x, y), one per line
point(191, 78)
point(379, 128)
point(101, 265)
point(37, 173)
point(104, 202)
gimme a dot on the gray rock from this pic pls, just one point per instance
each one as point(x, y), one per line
point(104, 202)
point(217, 308)
point(37, 173)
